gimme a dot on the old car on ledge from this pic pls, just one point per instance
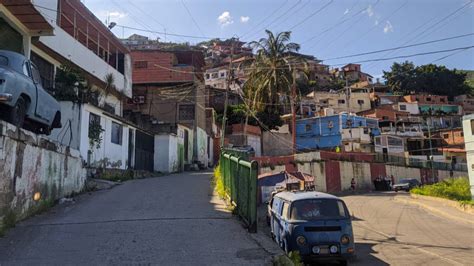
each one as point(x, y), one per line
point(23, 100)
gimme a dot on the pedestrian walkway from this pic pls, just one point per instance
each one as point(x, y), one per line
point(169, 220)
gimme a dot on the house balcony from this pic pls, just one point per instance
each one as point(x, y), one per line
point(407, 132)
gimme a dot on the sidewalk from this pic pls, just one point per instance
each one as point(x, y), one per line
point(438, 206)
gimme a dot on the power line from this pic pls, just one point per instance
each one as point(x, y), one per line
point(266, 18)
point(195, 23)
point(340, 22)
point(400, 47)
point(430, 27)
point(276, 19)
point(171, 34)
point(449, 55)
point(312, 14)
point(292, 13)
point(341, 64)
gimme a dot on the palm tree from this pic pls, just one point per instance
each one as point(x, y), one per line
point(272, 72)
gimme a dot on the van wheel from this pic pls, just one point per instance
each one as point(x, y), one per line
point(18, 113)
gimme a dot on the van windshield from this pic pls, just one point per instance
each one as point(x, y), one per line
point(315, 209)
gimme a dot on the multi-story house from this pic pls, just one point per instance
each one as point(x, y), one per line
point(168, 91)
point(467, 103)
point(350, 100)
point(351, 73)
point(58, 33)
point(348, 132)
point(468, 129)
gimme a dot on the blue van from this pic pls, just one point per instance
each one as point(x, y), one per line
point(316, 224)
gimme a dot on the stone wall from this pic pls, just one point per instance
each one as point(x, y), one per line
point(31, 164)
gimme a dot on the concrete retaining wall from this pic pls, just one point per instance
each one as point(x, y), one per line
point(334, 175)
point(29, 164)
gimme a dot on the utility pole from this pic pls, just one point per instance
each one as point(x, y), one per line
point(293, 110)
point(431, 145)
point(229, 79)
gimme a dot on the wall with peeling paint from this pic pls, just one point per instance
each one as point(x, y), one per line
point(30, 163)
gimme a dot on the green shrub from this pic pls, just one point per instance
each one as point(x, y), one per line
point(452, 188)
point(8, 221)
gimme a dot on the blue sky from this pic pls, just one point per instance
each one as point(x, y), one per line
point(325, 29)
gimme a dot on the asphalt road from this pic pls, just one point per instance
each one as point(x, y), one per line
point(169, 220)
point(388, 232)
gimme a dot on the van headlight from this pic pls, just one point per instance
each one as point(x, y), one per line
point(333, 249)
point(301, 240)
point(345, 239)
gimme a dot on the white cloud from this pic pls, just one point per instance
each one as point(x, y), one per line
point(370, 11)
point(244, 19)
point(376, 22)
point(347, 11)
point(225, 19)
point(388, 27)
point(117, 14)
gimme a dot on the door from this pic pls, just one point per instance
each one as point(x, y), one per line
point(43, 108)
point(333, 176)
point(131, 147)
point(186, 144)
point(144, 151)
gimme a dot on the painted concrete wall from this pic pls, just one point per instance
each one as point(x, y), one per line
point(166, 153)
point(30, 163)
point(276, 144)
point(359, 171)
point(114, 155)
point(316, 169)
point(201, 146)
point(469, 142)
point(400, 172)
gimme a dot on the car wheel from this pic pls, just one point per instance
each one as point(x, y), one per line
point(18, 113)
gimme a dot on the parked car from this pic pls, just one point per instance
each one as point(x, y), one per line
point(316, 224)
point(406, 184)
point(23, 98)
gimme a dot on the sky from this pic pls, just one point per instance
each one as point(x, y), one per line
point(325, 29)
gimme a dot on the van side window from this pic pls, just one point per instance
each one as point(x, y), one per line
point(284, 210)
point(276, 205)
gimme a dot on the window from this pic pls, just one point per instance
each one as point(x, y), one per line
point(445, 136)
point(186, 112)
point(308, 127)
point(378, 141)
point(315, 209)
point(428, 99)
point(341, 101)
point(140, 64)
point(214, 75)
point(461, 134)
point(366, 130)
point(46, 71)
point(360, 102)
point(117, 132)
point(3, 61)
point(35, 74)
point(403, 107)
point(207, 76)
point(222, 74)
point(442, 100)
point(385, 118)
point(94, 121)
point(284, 210)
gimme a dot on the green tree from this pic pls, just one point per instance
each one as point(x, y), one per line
point(272, 72)
point(439, 80)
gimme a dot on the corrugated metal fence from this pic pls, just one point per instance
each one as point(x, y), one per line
point(240, 182)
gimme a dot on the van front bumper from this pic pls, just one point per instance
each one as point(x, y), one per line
point(5, 97)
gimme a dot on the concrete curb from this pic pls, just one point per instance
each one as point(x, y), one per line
point(438, 211)
point(465, 208)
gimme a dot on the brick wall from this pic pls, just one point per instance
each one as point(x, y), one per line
point(153, 66)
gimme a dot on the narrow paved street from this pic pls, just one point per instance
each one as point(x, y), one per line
point(388, 232)
point(169, 220)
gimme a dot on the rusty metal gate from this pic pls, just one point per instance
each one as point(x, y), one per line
point(144, 151)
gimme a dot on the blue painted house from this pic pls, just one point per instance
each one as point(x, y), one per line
point(347, 131)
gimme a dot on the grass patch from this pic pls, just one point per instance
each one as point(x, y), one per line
point(8, 221)
point(453, 188)
point(116, 175)
point(218, 182)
